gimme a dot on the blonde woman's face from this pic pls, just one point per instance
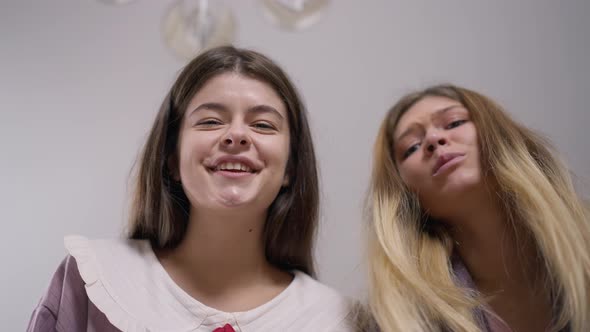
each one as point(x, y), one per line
point(437, 154)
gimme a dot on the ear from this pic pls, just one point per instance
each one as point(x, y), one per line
point(172, 164)
point(286, 180)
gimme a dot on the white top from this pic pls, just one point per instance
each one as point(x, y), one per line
point(125, 280)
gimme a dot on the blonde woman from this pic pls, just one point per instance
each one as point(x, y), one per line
point(475, 222)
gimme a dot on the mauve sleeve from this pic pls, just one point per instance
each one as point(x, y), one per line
point(64, 307)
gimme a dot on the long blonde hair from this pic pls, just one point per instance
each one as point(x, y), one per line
point(412, 286)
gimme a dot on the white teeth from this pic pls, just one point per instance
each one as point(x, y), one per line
point(234, 167)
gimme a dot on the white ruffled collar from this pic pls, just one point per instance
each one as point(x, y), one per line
point(125, 280)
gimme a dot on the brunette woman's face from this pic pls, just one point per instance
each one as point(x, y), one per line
point(234, 144)
point(437, 153)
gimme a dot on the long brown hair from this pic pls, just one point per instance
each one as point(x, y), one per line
point(412, 286)
point(159, 211)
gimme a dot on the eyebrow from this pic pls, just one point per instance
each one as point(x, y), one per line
point(435, 114)
point(261, 109)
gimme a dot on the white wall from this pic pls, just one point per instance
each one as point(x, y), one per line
point(80, 83)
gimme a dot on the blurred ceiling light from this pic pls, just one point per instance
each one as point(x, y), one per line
point(116, 2)
point(191, 26)
point(294, 14)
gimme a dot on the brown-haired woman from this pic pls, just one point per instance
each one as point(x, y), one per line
point(223, 219)
point(475, 222)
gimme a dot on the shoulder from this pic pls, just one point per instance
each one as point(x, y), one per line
point(107, 250)
point(103, 259)
point(333, 311)
point(65, 305)
point(461, 275)
point(123, 280)
point(66, 283)
point(317, 293)
point(77, 286)
point(309, 305)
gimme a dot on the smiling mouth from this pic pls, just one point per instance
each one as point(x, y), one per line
point(233, 168)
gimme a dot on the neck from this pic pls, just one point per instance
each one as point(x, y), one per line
point(503, 262)
point(498, 254)
point(221, 253)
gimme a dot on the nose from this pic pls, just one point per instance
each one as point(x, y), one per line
point(235, 137)
point(435, 139)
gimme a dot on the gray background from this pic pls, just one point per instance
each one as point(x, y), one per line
point(80, 83)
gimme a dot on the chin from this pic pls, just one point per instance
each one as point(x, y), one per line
point(232, 201)
point(461, 186)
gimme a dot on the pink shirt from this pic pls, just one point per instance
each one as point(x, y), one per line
point(119, 285)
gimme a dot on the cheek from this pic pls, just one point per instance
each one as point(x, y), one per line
point(285, 153)
point(466, 135)
point(411, 175)
point(469, 139)
point(194, 148)
point(274, 149)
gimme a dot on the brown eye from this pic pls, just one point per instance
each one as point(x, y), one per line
point(411, 150)
point(208, 123)
point(455, 124)
point(263, 126)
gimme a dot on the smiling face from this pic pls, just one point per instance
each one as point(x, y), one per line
point(437, 154)
point(234, 144)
